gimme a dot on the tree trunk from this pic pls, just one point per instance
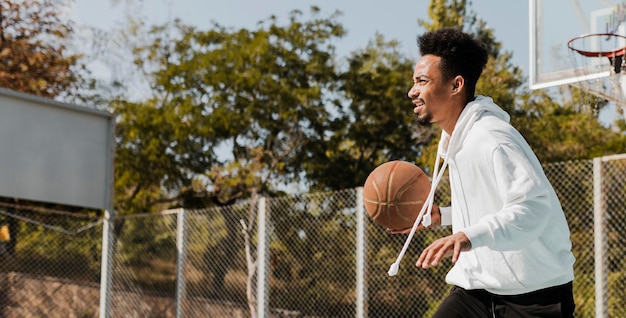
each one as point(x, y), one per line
point(250, 261)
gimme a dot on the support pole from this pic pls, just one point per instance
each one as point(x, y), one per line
point(181, 258)
point(106, 265)
point(599, 235)
point(361, 255)
point(262, 293)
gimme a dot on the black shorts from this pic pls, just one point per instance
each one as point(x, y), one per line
point(557, 302)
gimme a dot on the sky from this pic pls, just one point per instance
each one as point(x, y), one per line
point(394, 19)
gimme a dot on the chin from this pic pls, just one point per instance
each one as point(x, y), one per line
point(424, 121)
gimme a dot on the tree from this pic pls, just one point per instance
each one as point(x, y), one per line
point(33, 48)
point(559, 132)
point(254, 95)
point(230, 113)
point(376, 123)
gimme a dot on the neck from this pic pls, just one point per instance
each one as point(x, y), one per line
point(448, 125)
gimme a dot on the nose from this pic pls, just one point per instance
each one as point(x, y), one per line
point(413, 92)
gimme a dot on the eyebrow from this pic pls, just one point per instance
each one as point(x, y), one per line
point(421, 77)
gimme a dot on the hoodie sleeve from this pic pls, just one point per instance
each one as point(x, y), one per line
point(525, 194)
point(446, 215)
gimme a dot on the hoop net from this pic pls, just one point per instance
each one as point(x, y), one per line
point(598, 61)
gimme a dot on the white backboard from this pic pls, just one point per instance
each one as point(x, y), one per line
point(553, 23)
point(55, 152)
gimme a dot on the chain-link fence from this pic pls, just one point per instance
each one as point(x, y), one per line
point(317, 256)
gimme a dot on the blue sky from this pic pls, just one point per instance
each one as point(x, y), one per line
point(395, 19)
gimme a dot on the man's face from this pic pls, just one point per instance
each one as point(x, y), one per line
point(430, 95)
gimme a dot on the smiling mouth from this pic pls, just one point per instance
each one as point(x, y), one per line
point(418, 107)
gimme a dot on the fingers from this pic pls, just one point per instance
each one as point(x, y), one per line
point(433, 254)
point(448, 246)
point(425, 258)
point(457, 252)
point(435, 222)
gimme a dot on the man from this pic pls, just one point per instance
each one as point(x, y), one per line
point(510, 244)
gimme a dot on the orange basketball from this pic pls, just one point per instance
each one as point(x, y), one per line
point(394, 193)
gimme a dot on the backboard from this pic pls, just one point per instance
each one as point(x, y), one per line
point(553, 23)
point(54, 152)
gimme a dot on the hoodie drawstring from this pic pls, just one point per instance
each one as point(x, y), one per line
point(428, 205)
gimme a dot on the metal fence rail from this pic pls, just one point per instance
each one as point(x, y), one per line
point(308, 255)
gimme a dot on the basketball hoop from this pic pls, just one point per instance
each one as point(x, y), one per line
point(598, 60)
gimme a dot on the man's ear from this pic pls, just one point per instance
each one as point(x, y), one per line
point(457, 83)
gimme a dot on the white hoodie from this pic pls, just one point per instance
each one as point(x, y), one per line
point(503, 202)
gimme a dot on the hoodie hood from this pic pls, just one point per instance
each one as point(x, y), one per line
point(449, 145)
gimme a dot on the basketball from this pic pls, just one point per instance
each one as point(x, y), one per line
point(393, 194)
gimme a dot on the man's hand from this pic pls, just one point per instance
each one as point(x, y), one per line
point(435, 216)
point(448, 246)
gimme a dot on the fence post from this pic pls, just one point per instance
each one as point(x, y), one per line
point(181, 258)
point(106, 263)
point(361, 256)
point(599, 234)
point(263, 247)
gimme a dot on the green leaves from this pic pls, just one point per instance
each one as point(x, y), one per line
point(241, 110)
point(234, 104)
point(34, 57)
point(375, 121)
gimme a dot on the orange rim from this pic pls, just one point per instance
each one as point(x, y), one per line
point(611, 53)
